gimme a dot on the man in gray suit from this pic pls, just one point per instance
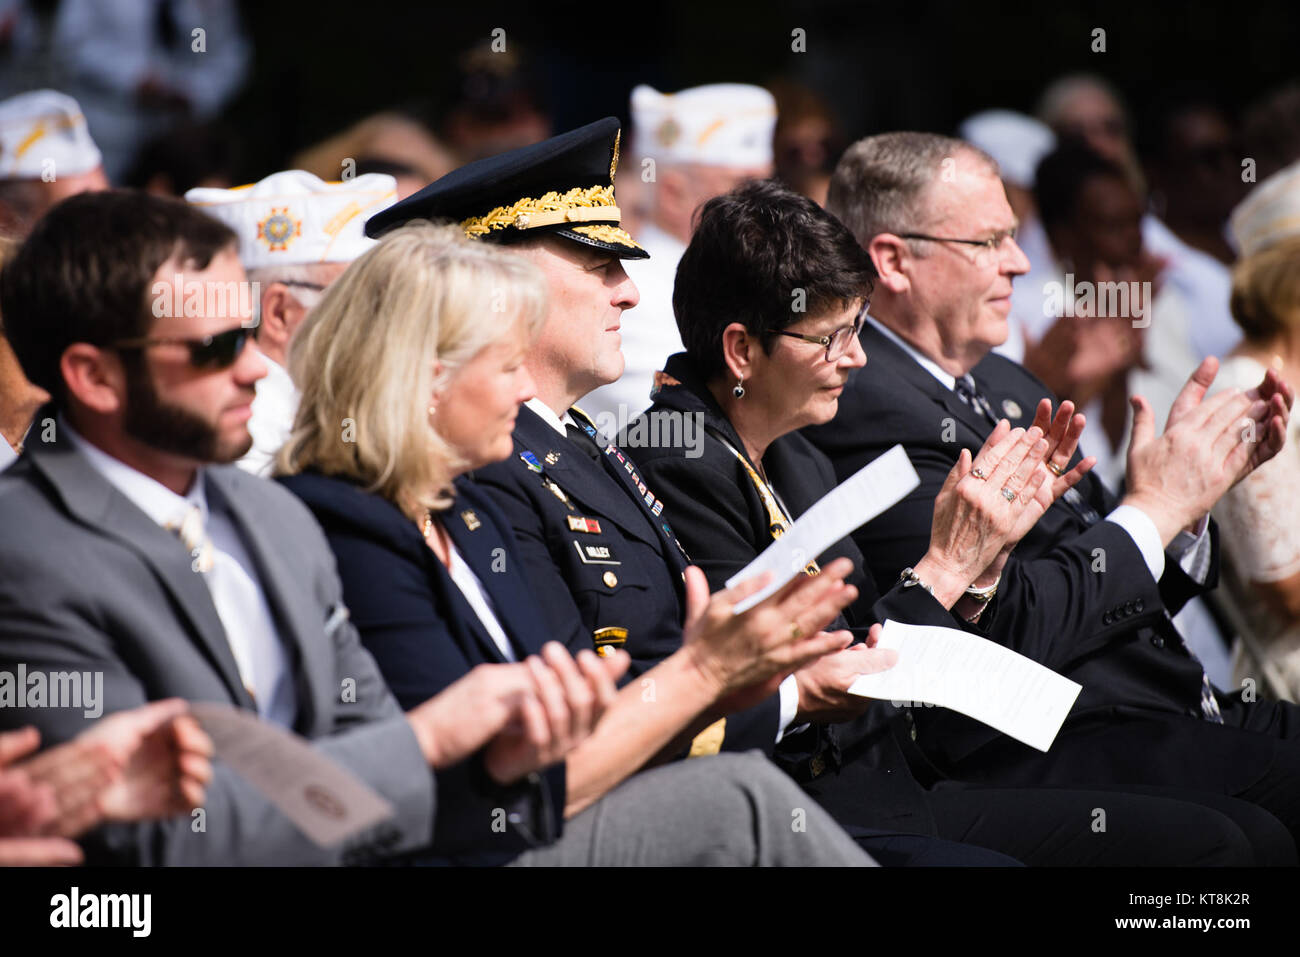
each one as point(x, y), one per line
point(130, 555)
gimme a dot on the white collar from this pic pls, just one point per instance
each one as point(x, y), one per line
point(547, 415)
point(152, 497)
point(926, 363)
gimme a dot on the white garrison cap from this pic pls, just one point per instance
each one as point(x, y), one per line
point(295, 218)
point(724, 124)
point(1270, 212)
point(1015, 141)
point(43, 134)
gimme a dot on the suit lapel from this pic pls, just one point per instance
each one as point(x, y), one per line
point(579, 477)
point(476, 543)
point(874, 342)
point(296, 619)
point(94, 502)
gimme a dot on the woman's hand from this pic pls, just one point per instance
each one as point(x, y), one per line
point(979, 511)
point(568, 698)
point(528, 714)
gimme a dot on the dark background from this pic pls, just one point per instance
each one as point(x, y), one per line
point(921, 65)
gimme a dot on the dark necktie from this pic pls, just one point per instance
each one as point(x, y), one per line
point(970, 394)
point(583, 441)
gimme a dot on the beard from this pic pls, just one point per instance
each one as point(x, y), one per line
point(172, 429)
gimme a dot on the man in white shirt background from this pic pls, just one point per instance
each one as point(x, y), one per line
point(46, 155)
point(688, 147)
point(297, 233)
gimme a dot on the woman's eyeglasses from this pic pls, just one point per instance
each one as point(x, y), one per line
point(218, 351)
point(838, 342)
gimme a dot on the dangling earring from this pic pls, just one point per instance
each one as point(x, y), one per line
point(739, 390)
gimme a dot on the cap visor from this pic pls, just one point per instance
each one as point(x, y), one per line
point(609, 238)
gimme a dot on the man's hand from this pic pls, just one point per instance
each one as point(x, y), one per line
point(28, 810)
point(1208, 446)
point(744, 658)
point(824, 685)
point(146, 763)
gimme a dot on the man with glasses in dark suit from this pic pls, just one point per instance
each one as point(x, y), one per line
point(1090, 590)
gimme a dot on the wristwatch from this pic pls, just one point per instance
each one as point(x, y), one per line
point(909, 579)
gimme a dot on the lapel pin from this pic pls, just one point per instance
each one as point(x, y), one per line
point(470, 519)
point(552, 458)
point(1012, 408)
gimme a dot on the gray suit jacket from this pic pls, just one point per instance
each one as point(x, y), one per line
point(88, 582)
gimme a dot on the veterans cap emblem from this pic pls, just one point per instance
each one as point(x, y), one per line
point(279, 229)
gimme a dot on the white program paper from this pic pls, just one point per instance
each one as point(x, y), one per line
point(979, 678)
point(324, 800)
point(854, 502)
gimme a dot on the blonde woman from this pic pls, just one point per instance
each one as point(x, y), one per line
point(1259, 522)
point(411, 374)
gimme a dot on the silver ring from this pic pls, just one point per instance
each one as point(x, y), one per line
point(1009, 495)
point(979, 473)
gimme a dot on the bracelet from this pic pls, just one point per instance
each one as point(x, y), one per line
point(984, 595)
point(909, 579)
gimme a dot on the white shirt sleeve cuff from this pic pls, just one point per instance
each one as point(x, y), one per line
point(1144, 534)
point(789, 691)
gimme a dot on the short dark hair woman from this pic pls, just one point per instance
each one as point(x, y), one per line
point(770, 296)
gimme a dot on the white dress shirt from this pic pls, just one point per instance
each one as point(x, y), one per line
point(472, 588)
point(233, 581)
point(7, 455)
point(274, 407)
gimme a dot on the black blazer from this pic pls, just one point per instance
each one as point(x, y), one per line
point(723, 523)
point(424, 635)
point(1106, 629)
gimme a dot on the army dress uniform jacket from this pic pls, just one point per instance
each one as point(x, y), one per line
point(603, 568)
point(1076, 595)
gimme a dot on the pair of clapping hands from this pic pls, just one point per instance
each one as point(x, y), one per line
point(146, 763)
point(991, 500)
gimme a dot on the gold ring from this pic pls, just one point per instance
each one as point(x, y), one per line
point(796, 633)
point(979, 473)
point(1055, 469)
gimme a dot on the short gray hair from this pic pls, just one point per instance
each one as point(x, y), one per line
point(298, 272)
point(880, 182)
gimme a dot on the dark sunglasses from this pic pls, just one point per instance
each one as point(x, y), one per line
point(217, 351)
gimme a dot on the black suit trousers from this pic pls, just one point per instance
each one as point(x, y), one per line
point(1253, 757)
